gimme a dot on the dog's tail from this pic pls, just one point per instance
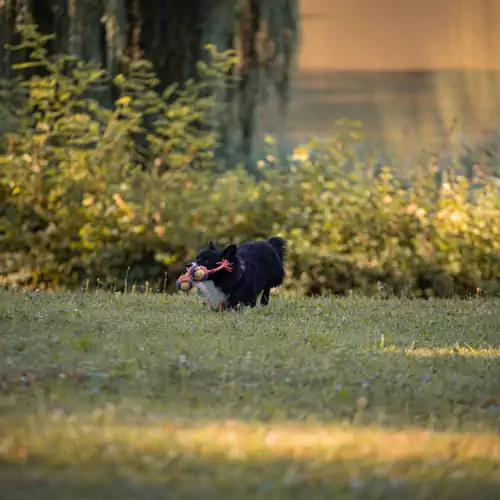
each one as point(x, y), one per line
point(279, 244)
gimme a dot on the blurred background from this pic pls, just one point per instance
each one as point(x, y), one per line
point(405, 69)
point(364, 131)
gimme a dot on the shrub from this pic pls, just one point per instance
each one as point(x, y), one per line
point(81, 197)
point(77, 191)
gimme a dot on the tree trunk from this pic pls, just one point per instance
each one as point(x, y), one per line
point(11, 13)
point(115, 20)
point(93, 32)
point(75, 15)
point(249, 86)
point(6, 29)
point(218, 28)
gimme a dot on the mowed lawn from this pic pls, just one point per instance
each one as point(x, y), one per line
point(153, 397)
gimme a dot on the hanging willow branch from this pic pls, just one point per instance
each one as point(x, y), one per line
point(266, 40)
point(115, 19)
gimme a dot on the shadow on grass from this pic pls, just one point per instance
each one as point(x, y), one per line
point(192, 477)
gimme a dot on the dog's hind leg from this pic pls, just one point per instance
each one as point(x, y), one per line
point(264, 299)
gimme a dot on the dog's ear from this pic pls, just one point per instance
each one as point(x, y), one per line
point(229, 253)
point(211, 245)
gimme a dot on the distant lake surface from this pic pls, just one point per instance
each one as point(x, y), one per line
point(403, 112)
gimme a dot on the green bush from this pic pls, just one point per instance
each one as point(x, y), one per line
point(83, 199)
point(79, 199)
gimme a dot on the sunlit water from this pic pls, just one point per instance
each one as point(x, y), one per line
point(403, 112)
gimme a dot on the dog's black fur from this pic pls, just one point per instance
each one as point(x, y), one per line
point(258, 266)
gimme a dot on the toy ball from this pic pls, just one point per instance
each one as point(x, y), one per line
point(200, 273)
point(185, 282)
point(196, 273)
point(185, 286)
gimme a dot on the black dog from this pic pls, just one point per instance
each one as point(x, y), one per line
point(257, 266)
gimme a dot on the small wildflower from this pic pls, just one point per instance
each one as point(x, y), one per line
point(362, 403)
point(300, 154)
point(183, 360)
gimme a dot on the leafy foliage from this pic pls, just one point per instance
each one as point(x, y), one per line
point(129, 192)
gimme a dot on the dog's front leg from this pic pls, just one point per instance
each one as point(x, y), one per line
point(231, 305)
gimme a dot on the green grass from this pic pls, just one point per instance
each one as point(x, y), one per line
point(105, 396)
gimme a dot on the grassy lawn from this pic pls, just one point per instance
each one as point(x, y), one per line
point(105, 396)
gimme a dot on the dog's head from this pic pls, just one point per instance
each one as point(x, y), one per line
point(217, 287)
point(211, 258)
